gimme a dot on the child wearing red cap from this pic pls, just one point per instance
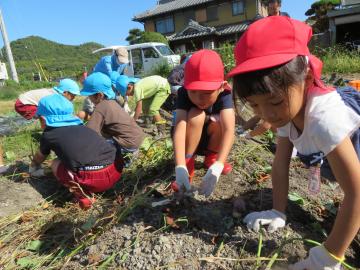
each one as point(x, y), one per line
point(205, 121)
point(281, 81)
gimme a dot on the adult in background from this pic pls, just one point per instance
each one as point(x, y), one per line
point(111, 65)
point(274, 7)
point(118, 61)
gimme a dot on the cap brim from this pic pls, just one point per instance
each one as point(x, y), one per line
point(88, 92)
point(260, 63)
point(62, 120)
point(201, 85)
point(122, 59)
point(58, 89)
point(133, 79)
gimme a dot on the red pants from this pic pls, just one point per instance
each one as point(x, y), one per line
point(26, 111)
point(90, 181)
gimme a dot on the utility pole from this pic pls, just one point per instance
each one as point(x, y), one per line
point(14, 75)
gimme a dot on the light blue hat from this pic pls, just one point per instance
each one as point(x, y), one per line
point(122, 83)
point(69, 86)
point(57, 111)
point(98, 82)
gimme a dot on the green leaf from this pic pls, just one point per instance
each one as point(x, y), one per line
point(88, 224)
point(296, 198)
point(26, 262)
point(10, 155)
point(34, 245)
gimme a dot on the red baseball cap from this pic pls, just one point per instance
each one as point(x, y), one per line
point(270, 42)
point(204, 71)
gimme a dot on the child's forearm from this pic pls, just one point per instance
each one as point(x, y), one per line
point(346, 226)
point(180, 143)
point(138, 110)
point(228, 140)
point(280, 185)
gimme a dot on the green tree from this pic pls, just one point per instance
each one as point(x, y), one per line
point(137, 36)
point(317, 14)
point(134, 35)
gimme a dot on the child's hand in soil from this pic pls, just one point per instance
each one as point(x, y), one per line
point(36, 171)
point(273, 218)
point(182, 178)
point(319, 259)
point(210, 179)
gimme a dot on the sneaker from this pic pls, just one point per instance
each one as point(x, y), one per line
point(86, 203)
point(210, 159)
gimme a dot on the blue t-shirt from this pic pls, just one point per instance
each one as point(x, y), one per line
point(224, 101)
point(107, 64)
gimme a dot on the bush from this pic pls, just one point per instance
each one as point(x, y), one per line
point(226, 52)
point(339, 59)
point(162, 70)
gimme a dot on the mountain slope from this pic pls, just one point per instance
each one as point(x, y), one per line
point(31, 54)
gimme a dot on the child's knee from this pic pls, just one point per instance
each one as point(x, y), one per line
point(196, 117)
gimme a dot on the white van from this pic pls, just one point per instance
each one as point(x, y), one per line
point(144, 57)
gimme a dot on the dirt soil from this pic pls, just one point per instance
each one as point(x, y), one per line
point(202, 233)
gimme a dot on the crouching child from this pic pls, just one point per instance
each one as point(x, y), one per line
point(109, 119)
point(85, 161)
point(205, 122)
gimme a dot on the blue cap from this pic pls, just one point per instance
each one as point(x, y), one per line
point(57, 111)
point(122, 83)
point(114, 75)
point(68, 85)
point(98, 82)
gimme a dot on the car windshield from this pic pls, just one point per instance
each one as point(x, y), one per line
point(164, 50)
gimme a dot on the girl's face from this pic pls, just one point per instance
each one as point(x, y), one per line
point(279, 110)
point(203, 99)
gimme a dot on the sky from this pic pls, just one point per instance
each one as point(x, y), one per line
point(74, 22)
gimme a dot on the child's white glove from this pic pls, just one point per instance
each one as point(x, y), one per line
point(127, 108)
point(319, 259)
point(36, 171)
point(245, 134)
point(210, 179)
point(273, 218)
point(182, 177)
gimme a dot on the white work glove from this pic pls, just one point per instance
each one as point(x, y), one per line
point(273, 218)
point(319, 259)
point(36, 171)
point(127, 108)
point(182, 178)
point(210, 179)
point(245, 134)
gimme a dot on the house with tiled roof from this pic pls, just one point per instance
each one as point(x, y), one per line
point(194, 24)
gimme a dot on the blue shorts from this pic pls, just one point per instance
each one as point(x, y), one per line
point(351, 98)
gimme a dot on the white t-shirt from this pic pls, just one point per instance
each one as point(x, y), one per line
point(33, 97)
point(328, 121)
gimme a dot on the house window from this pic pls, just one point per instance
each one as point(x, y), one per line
point(237, 7)
point(212, 13)
point(189, 15)
point(165, 25)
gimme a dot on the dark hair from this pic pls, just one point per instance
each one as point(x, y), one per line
point(274, 1)
point(275, 80)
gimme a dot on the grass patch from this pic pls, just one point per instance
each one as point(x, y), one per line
point(340, 60)
point(11, 90)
